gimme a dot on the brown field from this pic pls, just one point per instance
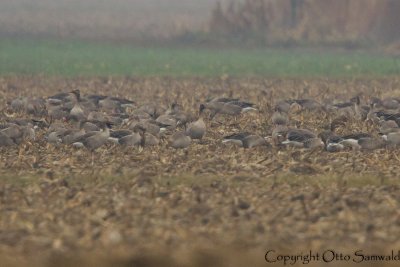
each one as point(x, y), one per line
point(208, 205)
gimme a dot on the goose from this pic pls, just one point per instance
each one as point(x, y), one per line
point(386, 103)
point(233, 108)
point(333, 144)
point(149, 109)
point(388, 116)
point(246, 140)
point(180, 140)
point(387, 127)
point(246, 106)
point(150, 139)
point(178, 114)
point(90, 125)
point(353, 140)
point(73, 136)
point(96, 116)
point(60, 98)
point(18, 104)
point(115, 104)
point(116, 135)
point(279, 134)
point(94, 140)
point(123, 102)
point(302, 138)
point(140, 115)
point(308, 104)
point(331, 141)
point(279, 118)
point(223, 99)
point(392, 139)
point(350, 109)
point(57, 112)
point(283, 106)
point(149, 125)
point(135, 138)
point(174, 108)
point(6, 141)
point(197, 129)
point(370, 143)
point(77, 113)
point(236, 138)
point(166, 121)
point(54, 138)
point(36, 107)
point(18, 133)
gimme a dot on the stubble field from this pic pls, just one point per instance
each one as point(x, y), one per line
point(211, 204)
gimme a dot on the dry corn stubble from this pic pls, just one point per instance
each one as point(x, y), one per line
point(200, 206)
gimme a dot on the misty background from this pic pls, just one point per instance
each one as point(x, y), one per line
point(350, 23)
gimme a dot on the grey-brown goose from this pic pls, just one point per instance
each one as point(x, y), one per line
point(302, 138)
point(149, 125)
point(279, 134)
point(197, 129)
point(150, 139)
point(115, 104)
point(134, 139)
point(18, 104)
point(331, 141)
point(246, 140)
point(308, 104)
point(94, 140)
point(180, 140)
point(222, 99)
point(73, 137)
point(358, 141)
point(387, 127)
point(233, 108)
point(116, 135)
point(77, 112)
point(90, 126)
point(371, 143)
point(6, 140)
point(55, 138)
point(390, 103)
point(18, 133)
point(279, 117)
point(96, 116)
point(166, 121)
point(283, 106)
point(392, 139)
point(36, 107)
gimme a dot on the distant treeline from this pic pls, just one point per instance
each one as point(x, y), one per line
point(307, 21)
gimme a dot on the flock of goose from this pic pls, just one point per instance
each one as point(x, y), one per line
point(92, 121)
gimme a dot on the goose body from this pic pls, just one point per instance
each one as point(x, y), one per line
point(6, 140)
point(180, 140)
point(232, 108)
point(246, 140)
point(279, 118)
point(197, 129)
point(302, 138)
point(96, 140)
point(133, 139)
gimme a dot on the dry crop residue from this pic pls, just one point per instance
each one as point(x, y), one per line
point(208, 205)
